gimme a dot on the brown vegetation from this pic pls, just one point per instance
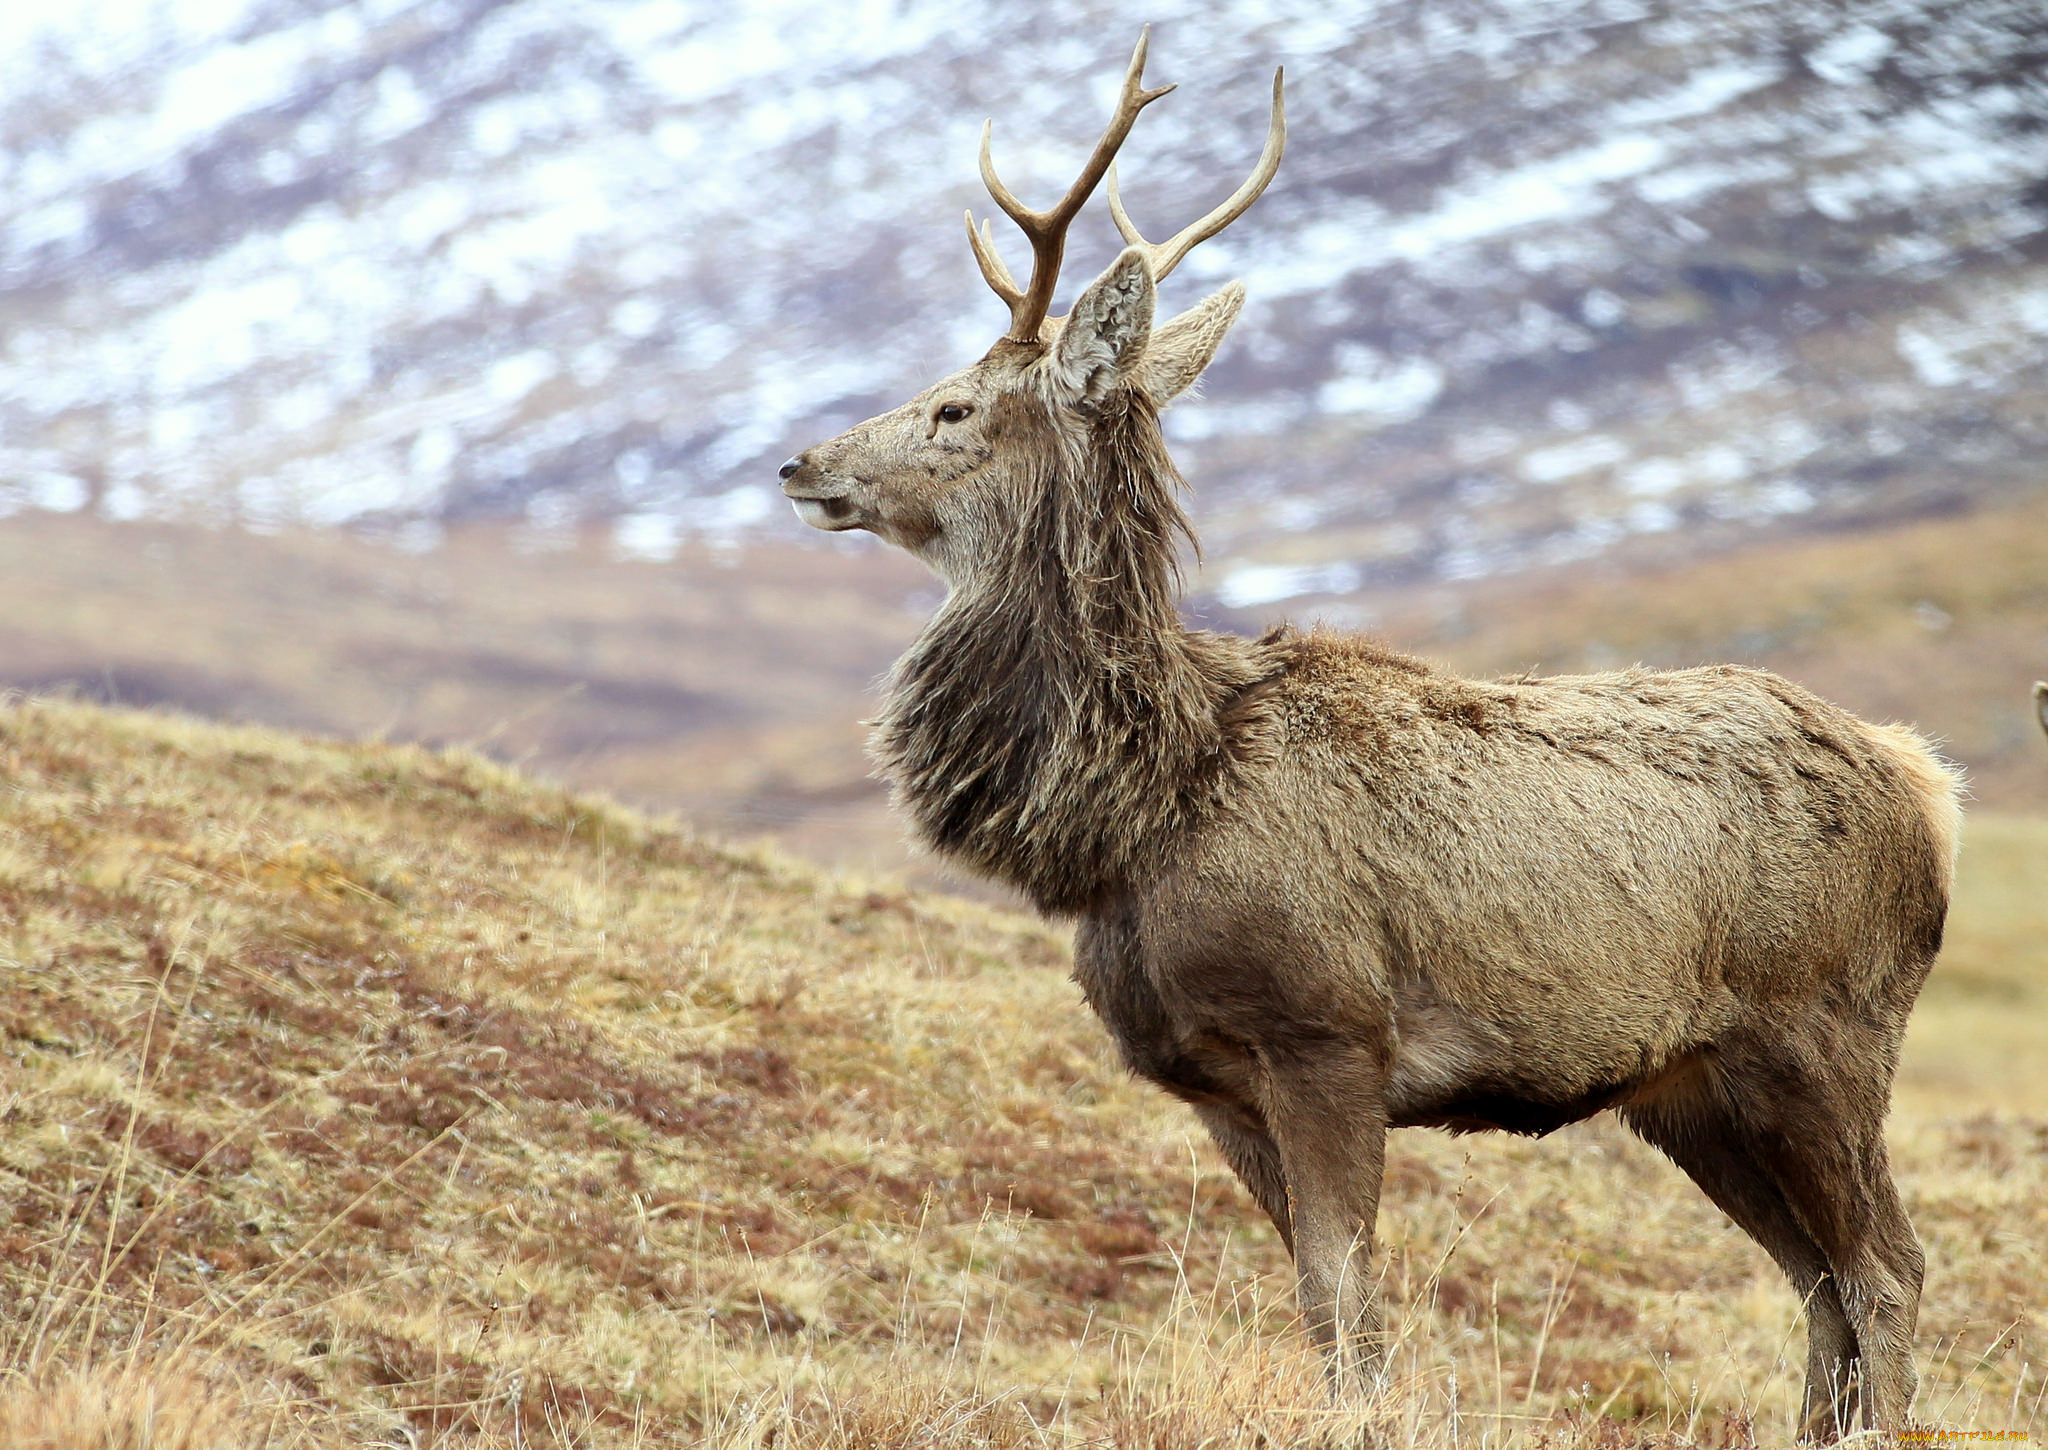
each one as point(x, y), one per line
point(389, 1090)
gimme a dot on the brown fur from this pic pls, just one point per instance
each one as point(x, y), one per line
point(1324, 890)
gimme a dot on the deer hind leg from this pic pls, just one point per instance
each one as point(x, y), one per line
point(1814, 1120)
point(1329, 1120)
point(1708, 1145)
point(1882, 1291)
point(1844, 1195)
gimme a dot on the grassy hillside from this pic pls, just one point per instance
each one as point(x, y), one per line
point(354, 1092)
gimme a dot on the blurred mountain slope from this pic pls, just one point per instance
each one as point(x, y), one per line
point(1538, 278)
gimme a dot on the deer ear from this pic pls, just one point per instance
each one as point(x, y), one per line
point(1105, 334)
point(1182, 348)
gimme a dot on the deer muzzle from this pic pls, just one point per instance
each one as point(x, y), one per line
point(819, 500)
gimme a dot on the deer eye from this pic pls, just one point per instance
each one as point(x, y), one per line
point(954, 412)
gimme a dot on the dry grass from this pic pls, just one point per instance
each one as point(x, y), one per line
point(134, 1403)
point(389, 1097)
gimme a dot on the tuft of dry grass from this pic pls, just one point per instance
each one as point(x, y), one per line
point(363, 1094)
point(130, 1405)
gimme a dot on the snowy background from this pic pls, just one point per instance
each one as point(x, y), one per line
point(1538, 281)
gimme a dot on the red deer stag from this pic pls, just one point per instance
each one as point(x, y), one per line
point(1324, 890)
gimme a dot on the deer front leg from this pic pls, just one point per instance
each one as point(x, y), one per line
point(1249, 1150)
point(1327, 1111)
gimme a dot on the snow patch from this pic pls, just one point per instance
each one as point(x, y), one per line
point(1568, 460)
point(1704, 91)
point(434, 452)
point(636, 317)
point(650, 537)
point(399, 107)
point(1370, 383)
point(1852, 55)
point(56, 223)
point(1933, 360)
point(512, 378)
point(1567, 186)
point(1256, 584)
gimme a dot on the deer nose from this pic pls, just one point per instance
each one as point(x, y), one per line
point(789, 469)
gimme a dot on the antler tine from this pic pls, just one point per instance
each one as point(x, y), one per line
point(1165, 256)
point(1047, 230)
point(994, 270)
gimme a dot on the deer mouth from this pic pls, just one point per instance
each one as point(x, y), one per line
point(833, 515)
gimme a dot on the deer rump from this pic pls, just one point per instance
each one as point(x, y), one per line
point(1516, 904)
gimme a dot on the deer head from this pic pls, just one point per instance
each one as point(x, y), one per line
point(947, 475)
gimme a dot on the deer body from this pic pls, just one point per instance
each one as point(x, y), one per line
point(1324, 890)
point(1528, 902)
point(1510, 910)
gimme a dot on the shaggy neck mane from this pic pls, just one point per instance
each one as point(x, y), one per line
point(1056, 723)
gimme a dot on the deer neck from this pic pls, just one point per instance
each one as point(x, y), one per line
point(1056, 726)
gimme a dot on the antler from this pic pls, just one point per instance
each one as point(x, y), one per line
point(1165, 256)
point(1047, 230)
